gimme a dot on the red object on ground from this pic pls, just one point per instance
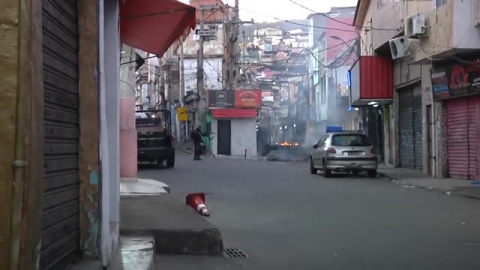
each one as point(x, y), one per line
point(197, 202)
point(153, 26)
point(234, 113)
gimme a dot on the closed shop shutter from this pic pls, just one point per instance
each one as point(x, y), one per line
point(60, 243)
point(473, 137)
point(417, 127)
point(462, 137)
point(410, 127)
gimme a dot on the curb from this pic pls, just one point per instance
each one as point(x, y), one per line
point(451, 190)
point(143, 187)
point(175, 227)
point(136, 252)
point(239, 158)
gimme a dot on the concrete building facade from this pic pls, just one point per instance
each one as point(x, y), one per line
point(421, 124)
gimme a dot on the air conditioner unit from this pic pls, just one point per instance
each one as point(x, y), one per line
point(399, 47)
point(416, 26)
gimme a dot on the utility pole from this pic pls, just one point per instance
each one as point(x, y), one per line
point(244, 48)
point(200, 86)
point(232, 47)
point(200, 72)
point(202, 104)
point(182, 73)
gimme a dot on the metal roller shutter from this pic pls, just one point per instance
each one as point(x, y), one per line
point(417, 127)
point(410, 127)
point(473, 137)
point(60, 243)
point(462, 137)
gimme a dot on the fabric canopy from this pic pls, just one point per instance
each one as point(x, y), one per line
point(234, 113)
point(154, 25)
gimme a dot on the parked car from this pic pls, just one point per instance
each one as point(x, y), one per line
point(344, 152)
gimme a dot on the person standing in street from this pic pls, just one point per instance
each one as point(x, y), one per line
point(197, 143)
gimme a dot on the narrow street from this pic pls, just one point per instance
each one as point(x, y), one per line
point(283, 217)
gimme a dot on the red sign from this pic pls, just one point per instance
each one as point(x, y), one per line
point(234, 113)
point(248, 99)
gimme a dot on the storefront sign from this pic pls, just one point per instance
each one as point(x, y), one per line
point(456, 80)
point(221, 99)
point(248, 99)
point(234, 113)
point(267, 93)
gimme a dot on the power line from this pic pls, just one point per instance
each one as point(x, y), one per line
point(216, 70)
point(333, 19)
point(325, 66)
point(300, 24)
point(319, 13)
point(301, 55)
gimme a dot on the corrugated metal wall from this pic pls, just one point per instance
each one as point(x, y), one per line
point(463, 122)
point(410, 127)
point(376, 77)
point(60, 221)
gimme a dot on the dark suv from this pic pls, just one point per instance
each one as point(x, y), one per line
point(155, 141)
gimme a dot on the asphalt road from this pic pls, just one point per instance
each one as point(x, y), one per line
point(285, 218)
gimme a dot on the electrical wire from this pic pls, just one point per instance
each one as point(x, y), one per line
point(325, 66)
point(300, 24)
point(216, 70)
point(333, 19)
point(301, 55)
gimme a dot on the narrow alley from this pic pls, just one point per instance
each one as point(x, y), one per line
point(283, 217)
point(239, 134)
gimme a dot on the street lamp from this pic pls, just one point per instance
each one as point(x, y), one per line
point(346, 43)
point(350, 48)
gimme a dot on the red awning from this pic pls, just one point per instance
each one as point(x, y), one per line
point(234, 113)
point(154, 25)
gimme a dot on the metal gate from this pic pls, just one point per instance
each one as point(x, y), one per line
point(60, 243)
point(410, 127)
point(463, 122)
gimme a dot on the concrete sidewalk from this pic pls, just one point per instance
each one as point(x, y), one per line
point(142, 187)
point(410, 178)
point(176, 227)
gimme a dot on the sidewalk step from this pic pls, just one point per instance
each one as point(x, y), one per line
point(142, 187)
point(136, 253)
point(176, 228)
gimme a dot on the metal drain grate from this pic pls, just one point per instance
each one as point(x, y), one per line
point(234, 253)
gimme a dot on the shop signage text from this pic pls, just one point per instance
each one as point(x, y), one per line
point(248, 99)
point(240, 99)
point(221, 99)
